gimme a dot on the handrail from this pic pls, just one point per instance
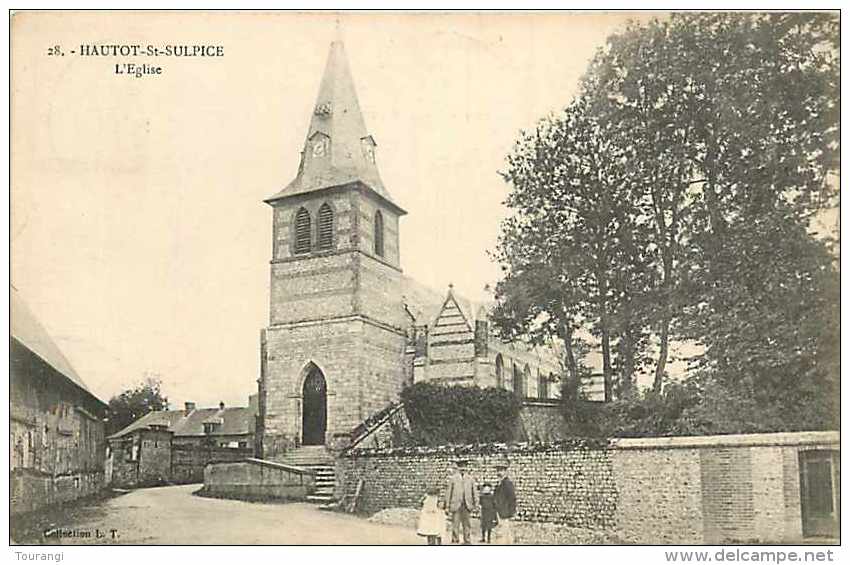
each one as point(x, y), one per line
point(362, 430)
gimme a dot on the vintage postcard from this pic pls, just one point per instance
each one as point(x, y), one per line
point(425, 278)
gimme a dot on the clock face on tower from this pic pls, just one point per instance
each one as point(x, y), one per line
point(320, 146)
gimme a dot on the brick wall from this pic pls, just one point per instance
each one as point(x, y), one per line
point(714, 489)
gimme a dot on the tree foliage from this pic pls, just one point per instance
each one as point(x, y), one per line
point(442, 415)
point(132, 404)
point(672, 201)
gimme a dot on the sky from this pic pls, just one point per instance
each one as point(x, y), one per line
point(139, 234)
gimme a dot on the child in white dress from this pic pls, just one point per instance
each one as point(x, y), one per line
point(432, 519)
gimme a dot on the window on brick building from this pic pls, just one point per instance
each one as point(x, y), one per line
point(325, 221)
point(379, 234)
point(303, 239)
point(500, 368)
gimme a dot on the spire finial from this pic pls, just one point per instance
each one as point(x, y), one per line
point(337, 29)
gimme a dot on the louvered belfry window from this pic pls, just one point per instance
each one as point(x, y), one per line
point(326, 227)
point(379, 234)
point(302, 231)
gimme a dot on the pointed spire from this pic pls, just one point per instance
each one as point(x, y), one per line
point(338, 148)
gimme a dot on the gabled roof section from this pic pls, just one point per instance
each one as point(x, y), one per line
point(349, 155)
point(237, 420)
point(27, 330)
point(451, 314)
point(425, 304)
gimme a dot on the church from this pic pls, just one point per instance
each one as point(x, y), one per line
point(348, 330)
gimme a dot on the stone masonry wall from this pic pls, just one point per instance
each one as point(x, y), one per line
point(188, 461)
point(568, 484)
point(683, 490)
point(256, 479)
point(359, 361)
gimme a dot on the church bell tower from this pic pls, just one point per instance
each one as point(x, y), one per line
point(333, 351)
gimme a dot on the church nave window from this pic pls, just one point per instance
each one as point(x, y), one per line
point(303, 241)
point(326, 227)
point(379, 234)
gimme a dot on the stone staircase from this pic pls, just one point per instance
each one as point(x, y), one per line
point(318, 459)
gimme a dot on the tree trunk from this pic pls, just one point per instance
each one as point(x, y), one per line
point(626, 352)
point(572, 382)
point(606, 360)
point(569, 357)
point(660, 367)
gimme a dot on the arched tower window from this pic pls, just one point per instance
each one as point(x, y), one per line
point(303, 240)
point(542, 385)
point(526, 376)
point(500, 367)
point(517, 381)
point(379, 234)
point(325, 221)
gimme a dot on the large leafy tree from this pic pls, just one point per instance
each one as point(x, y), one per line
point(133, 403)
point(694, 159)
point(569, 253)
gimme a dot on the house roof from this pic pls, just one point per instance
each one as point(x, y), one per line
point(345, 152)
point(29, 332)
point(238, 420)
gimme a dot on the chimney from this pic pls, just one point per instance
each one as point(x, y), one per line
point(190, 406)
point(221, 405)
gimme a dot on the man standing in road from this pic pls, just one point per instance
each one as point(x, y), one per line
point(505, 499)
point(461, 497)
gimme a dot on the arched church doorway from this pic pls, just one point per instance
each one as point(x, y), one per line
point(315, 408)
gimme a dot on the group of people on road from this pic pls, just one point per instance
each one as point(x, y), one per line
point(496, 504)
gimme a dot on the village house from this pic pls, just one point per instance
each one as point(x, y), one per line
point(174, 446)
point(56, 425)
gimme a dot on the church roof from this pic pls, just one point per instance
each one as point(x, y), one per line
point(338, 148)
point(29, 332)
point(424, 303)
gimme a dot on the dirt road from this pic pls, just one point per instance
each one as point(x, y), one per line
point(173, 515)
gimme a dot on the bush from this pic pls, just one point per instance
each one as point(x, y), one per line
point(696, 406)
point(441, 415)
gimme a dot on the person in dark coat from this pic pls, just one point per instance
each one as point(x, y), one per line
point(489, 518)
point(505, 500)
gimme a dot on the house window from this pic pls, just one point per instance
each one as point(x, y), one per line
point(303, 241)
point(379, 234)
point(500, 367)
point(326, 227)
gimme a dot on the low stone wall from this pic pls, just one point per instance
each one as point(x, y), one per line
point(29, 491)
point(257, 479)
point(714, 489)
point(188, 461)
point(541, 420)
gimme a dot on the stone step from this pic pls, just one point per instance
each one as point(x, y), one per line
point(320, 498)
